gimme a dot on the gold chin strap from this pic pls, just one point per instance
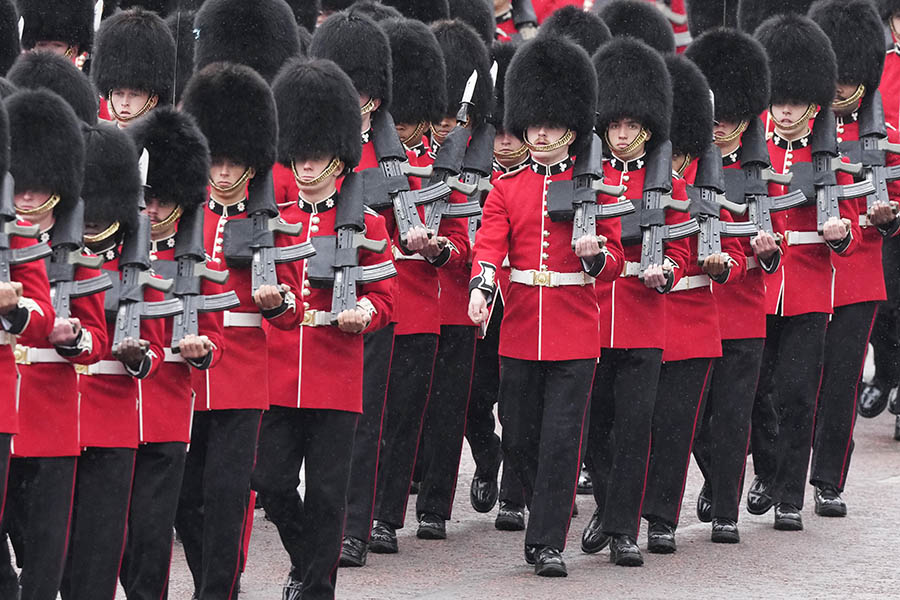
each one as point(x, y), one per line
point(417, 134)
point(437, 135)
point(43, 209)
point(512, 154)
point(641, 137)
point(149, 105)
point(841, 105)
point(70, 52)
point(367, 107)
point(325, 174)
point(730, 137)
point(810, 112)
point(165, 223)
point(684, 165)
point(97, 238)
point(565, 140)
point(248, 173)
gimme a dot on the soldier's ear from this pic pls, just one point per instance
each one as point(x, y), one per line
point(377, 104)
point(251, 173)
point(649, 135)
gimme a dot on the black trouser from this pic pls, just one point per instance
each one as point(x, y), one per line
point(676, 419)
point(407, 398)
point(445, 420)
point(215, 494)
point(99, 520)
point(158, 472)
point(720, 447)
point(38, 510)
point(543, 407)
point(618, 445)
point(5, 439)
point(846, 342)
point(378, 347)
point(886, 332)
point(310, 529)
point(791, 371)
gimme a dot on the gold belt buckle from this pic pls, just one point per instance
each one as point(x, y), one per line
point(541, 279)
point(309, 318)
point(21, 354)
point(82, 369)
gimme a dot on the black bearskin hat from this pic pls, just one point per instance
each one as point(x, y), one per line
point(9, 35)
point(359, 47)
point(639, 19)
point(464, 52)
point(501, 53)
point(318, 113)
point(306, 12)
point(7, 89)
point(478, 14)
point(330, 6)
point(703, 15)
point(633, 83)
point(802, 63)
point(181, 24)
point(46, 146)
point(377, 11)
point(135, 50)
point(261, 34)
point(57, 73)
point(888, 8)
point(70, 21)
point(112, 178)
point(692, 107)
point(4, 135)
point(539, 92)
point(419, 72)
point(586, 29)
point(751, 13)
point(235, 110)
point(737, 70)
point(179, 157)
point(426, 11)
point(857, 38)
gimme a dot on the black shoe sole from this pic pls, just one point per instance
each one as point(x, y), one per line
point(831, 511)
point(604, 542)
point(509, 524)
point(427, 533)
point(351, 561)
point(382, 548)
point(550, 571)
point(627, 560)
point(660, 547)
point(725, 537)
point(788, 525)
point(756, 510)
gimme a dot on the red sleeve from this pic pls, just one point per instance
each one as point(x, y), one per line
point(492, 239)
point(154, 331)
point(733, 248)
point(38, 319)
point(380, 293)
point(90, 312)
point(615, 254)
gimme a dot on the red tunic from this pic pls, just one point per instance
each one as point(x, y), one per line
point(103, 113)
point(890, 87)
point(545, 8)
point(49, 423)
point(321, 367)
point(109, 403)
point(168, 399)
point(506, 28)
point(542, 323)
point(804, 281)
point(36, 299)
point(627, 306)
point(226, 385)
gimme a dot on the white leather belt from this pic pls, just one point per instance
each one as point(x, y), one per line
point(864, 221)
point(398, 255)
point(631, 269)
point(236, 319)
point(26, 355)
point(7, 339)
point(104, 367)
point(682, 38)
point(316, 318)
point(691, 283)
point(752, 262)
point(532, 277)
point(172, 357)
point(800, 238)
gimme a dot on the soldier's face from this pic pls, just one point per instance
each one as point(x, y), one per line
point(724, 128)
point(501, 6)
point(159, 210)
point(621, 133)
point(445, 126)
point(787, 116)
point(895, 23)
point(56, 47)
point(545, 135)
point(309, 170)
point(225, 173)
point(506, 142)
point(128, 102)
point(31, 199)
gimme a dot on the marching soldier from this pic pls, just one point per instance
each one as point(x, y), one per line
point(237, 116)
point(799, 293)
point(633, 123)
point(64, 27)
point(547, 361)
point(134, 65)
point(641, 20)
point(33, 70)
point(693, 339)
point(316, 370)
point(736, 68)
point(177, 171)
point(853, 27)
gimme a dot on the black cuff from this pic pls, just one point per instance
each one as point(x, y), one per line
point(723, 277)
point(890, 229)
point(73, 349)
point(485, 281)
point(17, 319)
point(841, 245)
point(201, 363)
point(276, 312)
point(596, 264)
point(773, 264)
point(441, 259)
point(143, 369)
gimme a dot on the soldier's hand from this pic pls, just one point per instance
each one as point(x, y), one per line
point(478, 309)
point(131, 352)
point(64, 332)
point(589, 246)
point(10, 292)
point(354, 320)
point(835, 229)
point(656, 276)
point(417, 239)
point(764, 245)
point(434, 246)
point(715, 265)
point(268, 297)
point(882, 213)
point(195, 347)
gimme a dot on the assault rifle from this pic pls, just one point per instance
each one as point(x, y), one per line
point(870, 150)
